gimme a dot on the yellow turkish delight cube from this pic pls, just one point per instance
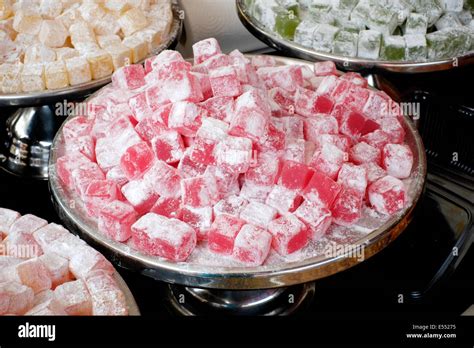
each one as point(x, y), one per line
point(151, 36)
point(161, 26)
point(78, 70)
point(132, 21)
point(55, 75)
point(64, 53)
point(26, 23)
point(108, 40)
point(100, 63)
point(81, 32)
point(121, 55)
point(10, 77)
point(107, 25)
point(86, 47)
point(118, 6)
point(70, 16)
point(39, 53)
point(91, 11)
point(138, 46)
point(32, 78)
point(50, 8)
point(53, 33)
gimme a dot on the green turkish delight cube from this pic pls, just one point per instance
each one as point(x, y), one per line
point(304, 33)
point(265, 11)
point(448, 20)
point(393, 48)
point(346, 4)
point(322, 16)
point(448, 43)
point(351, 25)
point(286, 23)
point(369, 44)
point(382, 19)
point(402, 9)
point(345, 43)
point(416, 24)
point(362, 11)
point(432, 9)
point(416, 47)
point(323, 37)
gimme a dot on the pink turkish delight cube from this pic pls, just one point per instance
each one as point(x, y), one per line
point(364, 153)
point(141, 194)
point(289, 234)
point(284, 99)
point(198, 218)
point(34, 274)
point(129, 77)
point(84, 175)
point(309, 103)
point(321, 189)
point(136, 160)
point(342, 142)
point(223, 232)
point(56, 239)
point(283, 199)
point(293, 127)
point(98, 194)
point(265, 172)
point(347, 207)
point(319, 124)
point(387, 195)
point(205, 49)
point(149, 128)
point(205, 84)
point(116, 219)
point(7, 218)
point(252, 245)
point(164, 179)
point(325, 68)
point(253, 99)
point(66, 164)
point(189, 168)
point(168, 207)
point(295, 151)
point(220, 108)
point(117, 176)
point(15, 298)
point(355, 78)
point(356, 97)
point(169, 238)
point(57, 267)
point(74, 298)
point(376, 106)
point(234, 154)
point(83, 144)
point(328, 160)
point(249, 123)
point(354, 177)
point(393, 128)
point(255, 192)
point(165, 57)
point(225, 82)
point(327, 85)
point(186, 118)
point(377, 138)
point(86, 260)
point(374, 172)
point(287, 77)
point(272, 140)
point(258, 214)
point(199, 191)
point(316, 216)
point(168, 146)
point(106, 296)
point(27, 223)
point(295, 176)
point(397, 160)
point(139, 106)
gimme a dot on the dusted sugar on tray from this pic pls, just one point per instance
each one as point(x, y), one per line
point(50, 45)
point(235, 160)
point(45, 270)
point(395, 30)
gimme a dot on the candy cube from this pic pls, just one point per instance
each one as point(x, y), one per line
point(393, 128)
point(7, 218)
point(255, 192)
point(129, 77)
point(186, 118)
point(309, 103)
point(387, 195)
point(168, 146)
point(136, 160)
point(295, 151)
point(328, 160)
point(272, 140)
point(347, 207)
point(164, 179)
point(393, 47)
point(342, 142)
point(356, 97)
point(139, 106)
point(258, 214)
point(138, 47)
point(84, 145)
point(283, 199)
point(116, 219)
point(284, 100)
point(260, 61)
point(100, 63)
point(132, 21)
point(286, 77)
point(34, 274)
point(32, 78)
point(27, 223)
point(324, 36)
point(252, 245)
point(57, 267)
point(27, 23)
point(234, 154)
point(205, 49)
point(189, 168)
point(295, 176)
point(249, 123)
point(15, 298)
point(78, 70)
point(160, 236)
point(141, 194)
point(319, 124)
point(56, 239)
point(121, 55)
point(254, 100)
point(354, 177)
point(55, 75)
point(205, 83)
point(325, 68)
point(321, 189)
point(397, 160)
point(215, 62)
point(199, 191)
point(231, 205)
point(345, 43)
point(416, 47)
point(86, 260)
point(224, 82)
point(219, 108)
point(46, 308)
point(97, 194)
point(84, 174)
point(316, 217)
point(168, 207)
point(369, 44)
point(265, 172)
point(52, 33)
point(198, 218)
point(74, 298)
point(223, 232)
point(117, 176)
point(289, 234)
point(355, 79)
point(106, 296)
point(374, 172)
point(364, 153)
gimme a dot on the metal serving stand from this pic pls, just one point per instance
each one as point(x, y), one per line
point(32, 122)
point(345, 63)
point(269, 289)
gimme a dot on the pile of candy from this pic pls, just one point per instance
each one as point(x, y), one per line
point(411, 30)
point(51, 44)
point(45, 270)
point(233, 154)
